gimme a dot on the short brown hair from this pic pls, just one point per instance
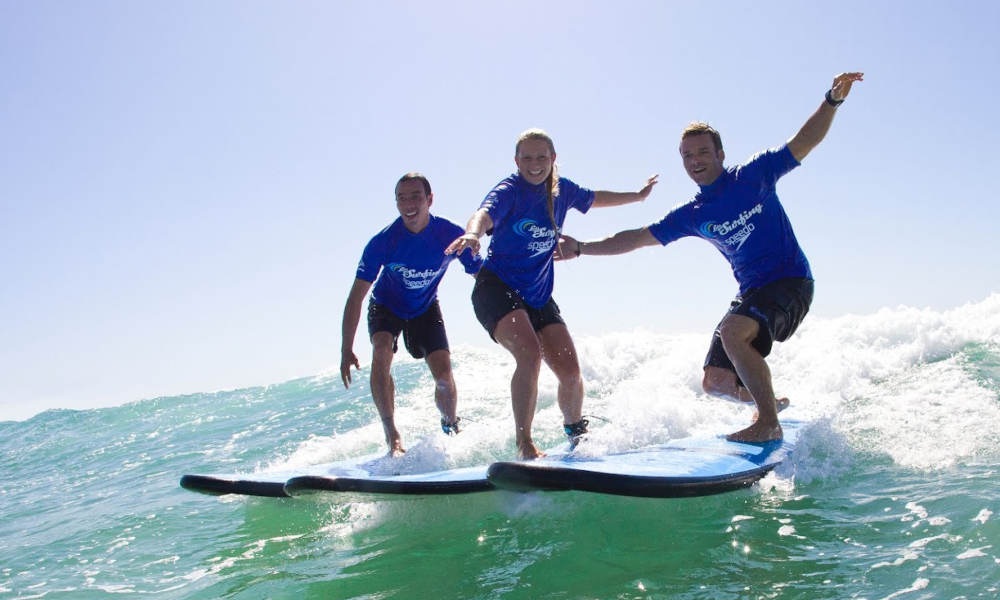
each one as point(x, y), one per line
point(697, 128)
point(419, 177)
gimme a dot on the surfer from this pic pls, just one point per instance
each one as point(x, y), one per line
point(512, 296)
point(737, 210)
point(409, 261)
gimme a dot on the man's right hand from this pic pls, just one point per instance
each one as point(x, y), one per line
point(842, 84)
point(567, 248)
point(346, 360)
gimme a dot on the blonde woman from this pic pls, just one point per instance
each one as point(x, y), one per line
point(512, 296)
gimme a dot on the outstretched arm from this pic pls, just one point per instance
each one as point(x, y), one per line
point(480, 223)
point(814, 130)
point(619, 243)
point(605, 198)
point(352, 314)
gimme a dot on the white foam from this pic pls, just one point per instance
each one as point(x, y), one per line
point(898, 383)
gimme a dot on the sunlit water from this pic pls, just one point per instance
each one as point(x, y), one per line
point(893, 492)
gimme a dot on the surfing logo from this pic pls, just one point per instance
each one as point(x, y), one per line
point(741, 225)
point(543, 239)
point(412, 278)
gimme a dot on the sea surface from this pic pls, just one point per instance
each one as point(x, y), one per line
point(893, 492)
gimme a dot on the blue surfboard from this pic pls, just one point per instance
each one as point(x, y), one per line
point(375, 473)
point(694, 466)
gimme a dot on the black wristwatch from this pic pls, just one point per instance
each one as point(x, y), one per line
point(831, 101)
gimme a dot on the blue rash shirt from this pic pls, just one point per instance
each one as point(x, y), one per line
point(739, 213)
point(411, 264)
point(524, 241)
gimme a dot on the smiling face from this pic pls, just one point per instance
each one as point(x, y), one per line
point(414, 204)
point(534, 158)
point(702, 160)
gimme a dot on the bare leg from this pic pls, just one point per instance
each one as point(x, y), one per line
point(445, 394)
point(560, 355)
point(514, 332)
point(384, 390)
point(723, 383)
point(737, 332)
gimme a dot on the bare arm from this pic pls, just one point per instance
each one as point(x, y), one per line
point(815, 128)
point(352, 315)
point(605, 198)
point(619, 243)
point(480, 223)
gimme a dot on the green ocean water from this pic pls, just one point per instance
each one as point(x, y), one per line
point(893, 492)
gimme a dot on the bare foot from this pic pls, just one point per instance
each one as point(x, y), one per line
point(782, 405)
point(757, 433)
point(396, 449)
point(528, 451)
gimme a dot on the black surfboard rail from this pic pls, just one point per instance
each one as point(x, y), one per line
point(526, 477)
point(218, 486)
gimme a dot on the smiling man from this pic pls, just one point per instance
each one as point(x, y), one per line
point(408, 260)
point(737, 211)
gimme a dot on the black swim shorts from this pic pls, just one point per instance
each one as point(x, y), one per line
point(422, 334)
point(492, 299)
point(778, 307)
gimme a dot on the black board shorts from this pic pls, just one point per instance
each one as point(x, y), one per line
point(492, 299)
point(778, 307)
point(422, 334)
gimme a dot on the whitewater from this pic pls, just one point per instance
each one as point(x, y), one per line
point(893, 491)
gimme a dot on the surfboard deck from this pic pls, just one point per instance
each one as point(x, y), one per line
point(375, 473)
point(693, 466)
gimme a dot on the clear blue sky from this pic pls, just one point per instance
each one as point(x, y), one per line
point(186, 186)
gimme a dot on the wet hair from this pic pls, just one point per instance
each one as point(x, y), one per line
point(697, 128)
point(417, 176)
point(552, 183)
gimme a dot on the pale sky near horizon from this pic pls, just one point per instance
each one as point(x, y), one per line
point(186, 187)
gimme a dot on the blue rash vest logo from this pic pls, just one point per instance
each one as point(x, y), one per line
point(412, 278)
point(543, 239)
point(741, 225)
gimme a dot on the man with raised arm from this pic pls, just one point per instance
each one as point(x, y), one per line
point(737, 211)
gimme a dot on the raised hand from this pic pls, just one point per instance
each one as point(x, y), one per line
point(842, 84)
point(646, 189)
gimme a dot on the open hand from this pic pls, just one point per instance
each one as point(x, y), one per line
point(468, 240)
point(646, 189)
point(842, 84)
